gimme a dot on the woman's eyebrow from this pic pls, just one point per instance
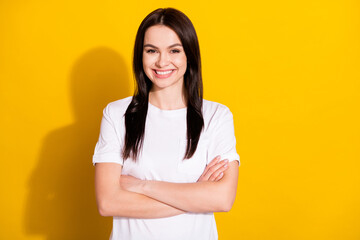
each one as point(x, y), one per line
point(171, 46)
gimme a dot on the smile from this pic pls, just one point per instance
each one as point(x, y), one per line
point(163, 73)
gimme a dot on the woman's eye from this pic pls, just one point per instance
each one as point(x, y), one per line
point(175, 51)
point(150, 51)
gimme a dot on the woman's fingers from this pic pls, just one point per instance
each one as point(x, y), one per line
point(219, 173)
point(212, 163)
point(219, 177)
point(213, 171)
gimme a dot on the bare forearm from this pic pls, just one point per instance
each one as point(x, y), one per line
point(205, 196)
point(113, 200)
point(134, 205)
point(192, 197)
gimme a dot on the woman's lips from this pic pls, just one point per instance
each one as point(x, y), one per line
point(163, 73)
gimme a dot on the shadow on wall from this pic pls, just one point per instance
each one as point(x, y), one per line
point(61, 202)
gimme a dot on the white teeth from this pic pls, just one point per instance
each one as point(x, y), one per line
point(163, 73)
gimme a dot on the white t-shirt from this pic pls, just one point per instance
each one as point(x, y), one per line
point(162, 159)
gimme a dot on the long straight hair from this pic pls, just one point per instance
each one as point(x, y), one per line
point(135, 115)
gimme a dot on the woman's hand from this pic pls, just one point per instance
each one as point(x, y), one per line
point(213, 192)
point(214, 171)
point(130, 183)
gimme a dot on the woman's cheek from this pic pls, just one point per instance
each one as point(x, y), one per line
point(147, 66)
point(181, 64)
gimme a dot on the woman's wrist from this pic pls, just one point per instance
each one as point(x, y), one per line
point(144, 186)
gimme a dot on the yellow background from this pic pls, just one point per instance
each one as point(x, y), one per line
point(288, 70)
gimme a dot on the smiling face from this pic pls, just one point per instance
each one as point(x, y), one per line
point(164, 59)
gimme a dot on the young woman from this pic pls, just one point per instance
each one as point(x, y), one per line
point(166, 158)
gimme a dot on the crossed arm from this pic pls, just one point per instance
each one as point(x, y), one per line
point(126, 196)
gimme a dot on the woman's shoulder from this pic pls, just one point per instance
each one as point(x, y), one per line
point(124, 102)
point(215, 115)
point(211, 108)
point(118, 106)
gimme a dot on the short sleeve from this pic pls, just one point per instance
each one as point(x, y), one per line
point(108, 148)
point(223, 141)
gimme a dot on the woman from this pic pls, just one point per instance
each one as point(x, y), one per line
point(166, 158)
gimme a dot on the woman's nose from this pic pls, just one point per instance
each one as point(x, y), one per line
point(163, 60)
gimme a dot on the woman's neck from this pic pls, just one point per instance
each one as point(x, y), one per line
point(167, 100)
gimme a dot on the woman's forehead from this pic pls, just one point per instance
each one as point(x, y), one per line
point(161, 36)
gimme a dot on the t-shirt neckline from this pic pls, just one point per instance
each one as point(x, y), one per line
point(166, 112)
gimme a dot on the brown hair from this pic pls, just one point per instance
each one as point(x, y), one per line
point(135, 116)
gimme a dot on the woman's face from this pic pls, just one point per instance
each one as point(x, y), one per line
point(164, 59)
